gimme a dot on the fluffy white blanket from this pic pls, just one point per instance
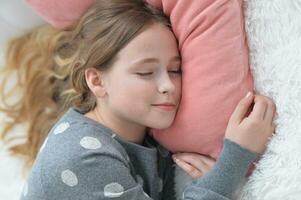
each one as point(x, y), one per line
point(274, 35)
point(11, 179)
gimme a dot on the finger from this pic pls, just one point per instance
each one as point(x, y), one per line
point(260, 107)
point(242, 108)
point(270, 113)
point(209, 161)
point(193, 159)
point(189, 169)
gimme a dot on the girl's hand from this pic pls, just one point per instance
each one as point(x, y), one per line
point(196, 165)
point(250, 127)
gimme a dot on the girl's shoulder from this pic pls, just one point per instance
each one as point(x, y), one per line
point(79, 157)
point(74, 138)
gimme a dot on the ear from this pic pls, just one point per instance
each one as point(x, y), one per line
point(95, 82)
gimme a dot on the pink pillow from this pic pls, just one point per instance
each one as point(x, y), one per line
point(60, 14)
point(216, 73)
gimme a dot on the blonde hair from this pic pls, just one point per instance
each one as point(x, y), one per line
point(50, 66)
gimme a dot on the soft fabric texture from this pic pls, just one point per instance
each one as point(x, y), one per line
point(11, 179)
point(274, 33)
point(60, 14)
point(216, 74)
point(73, 164)
point(13, 15)
point(83, 159)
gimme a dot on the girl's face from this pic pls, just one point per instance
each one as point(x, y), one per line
point(145, 73)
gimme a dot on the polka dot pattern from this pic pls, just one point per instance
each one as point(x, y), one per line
point(69, 178)
point(61, 128)
point(113, 190)
point(90, 143)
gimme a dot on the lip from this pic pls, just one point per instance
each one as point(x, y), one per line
point(165, 106)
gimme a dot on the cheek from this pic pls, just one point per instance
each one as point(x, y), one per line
point(135, 93)
point(178, 88)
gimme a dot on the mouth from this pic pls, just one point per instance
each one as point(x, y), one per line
point(165, 106)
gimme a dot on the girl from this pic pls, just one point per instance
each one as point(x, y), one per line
point(122, 70)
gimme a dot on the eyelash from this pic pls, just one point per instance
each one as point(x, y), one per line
point(145, 74)
point(150, 73)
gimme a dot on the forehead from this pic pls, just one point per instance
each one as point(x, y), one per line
point(156, 41)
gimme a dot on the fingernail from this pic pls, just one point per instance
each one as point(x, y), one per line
point(175, 158)
point(248, 94)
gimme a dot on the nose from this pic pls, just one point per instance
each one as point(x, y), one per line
point(166, 85)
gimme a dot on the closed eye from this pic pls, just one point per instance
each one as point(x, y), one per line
point(145, 74)
point(176, 71)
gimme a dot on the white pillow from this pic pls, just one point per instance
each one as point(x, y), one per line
point(16, 18)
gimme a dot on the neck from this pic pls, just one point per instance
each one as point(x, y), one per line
point(126, 130)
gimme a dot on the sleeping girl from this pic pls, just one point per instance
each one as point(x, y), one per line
point(93, 91)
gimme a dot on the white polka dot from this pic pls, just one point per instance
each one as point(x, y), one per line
point(140, 180)
point(25, 189)
point(61, 128)
point(160, 183)
point(113, 190)
point(69, 178)
point(90, 143)
point(163, 152)
point(44, 144)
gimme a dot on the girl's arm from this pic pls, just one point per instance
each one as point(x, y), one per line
point(247, 133)
point(221, 182)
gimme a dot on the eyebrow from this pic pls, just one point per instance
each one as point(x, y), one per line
point(155, 60)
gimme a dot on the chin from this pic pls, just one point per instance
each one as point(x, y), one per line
point(162, 125)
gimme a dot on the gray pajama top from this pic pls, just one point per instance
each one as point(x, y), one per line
point(83, 160)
